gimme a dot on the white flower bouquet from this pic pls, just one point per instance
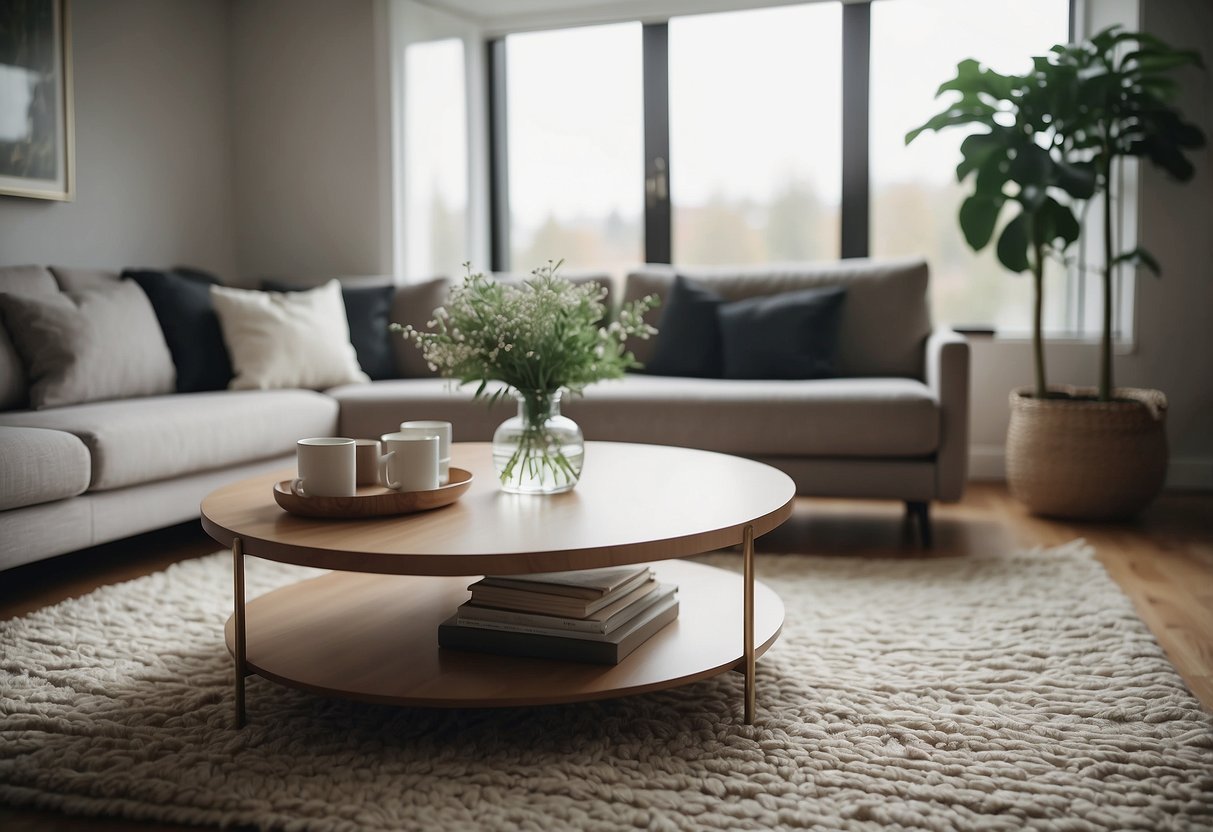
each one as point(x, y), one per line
point(536, 338)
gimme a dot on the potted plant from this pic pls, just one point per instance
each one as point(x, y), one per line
point(1082, 453)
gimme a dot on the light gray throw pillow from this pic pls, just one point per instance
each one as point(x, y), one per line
point(91, 345)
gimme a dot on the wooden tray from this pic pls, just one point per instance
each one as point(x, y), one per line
point(373, 500)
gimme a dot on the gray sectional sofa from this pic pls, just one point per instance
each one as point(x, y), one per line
point(892, 425)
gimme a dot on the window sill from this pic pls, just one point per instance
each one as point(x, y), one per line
point(1119, 346)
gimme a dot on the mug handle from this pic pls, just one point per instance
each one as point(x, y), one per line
point(384, 462)
point(297, 487)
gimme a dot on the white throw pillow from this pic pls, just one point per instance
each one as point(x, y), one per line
point(287, 339)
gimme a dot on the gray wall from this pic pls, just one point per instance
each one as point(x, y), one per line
point(153, 160)
point(1177, 220)
point(313, 177)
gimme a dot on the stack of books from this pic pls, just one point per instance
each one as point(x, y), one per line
point(591, 615)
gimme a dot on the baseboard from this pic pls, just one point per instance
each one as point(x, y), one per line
point(1190, 473)
point(989, 463)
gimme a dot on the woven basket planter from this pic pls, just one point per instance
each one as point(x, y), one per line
point(1072, 457)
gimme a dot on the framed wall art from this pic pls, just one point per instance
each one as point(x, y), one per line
point(36, 131)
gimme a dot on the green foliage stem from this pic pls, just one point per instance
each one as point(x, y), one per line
point(1120, 106)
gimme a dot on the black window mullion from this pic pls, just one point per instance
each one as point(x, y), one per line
point(856, 48)
point(499, 169)
point(657, 221)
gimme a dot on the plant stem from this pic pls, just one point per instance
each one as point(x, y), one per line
point(1105, 346)
point(1038, 347)
point(538, 455)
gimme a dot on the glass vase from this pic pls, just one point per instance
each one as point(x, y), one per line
point(538, 451)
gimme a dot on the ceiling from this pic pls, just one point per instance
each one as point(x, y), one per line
point(491, 9)
point(488, 9)
point(501, 16)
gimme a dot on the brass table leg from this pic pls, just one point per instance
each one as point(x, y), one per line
point(238, 621)
point(748, 622)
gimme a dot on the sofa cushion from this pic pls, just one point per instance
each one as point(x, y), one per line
point(19, 280)
point(885, 320)
point(287, 339)
point(182, 300)
point(792, 335)
point(855, 417)
point(89, 345)
point(40, 466)
point(141, 440)
point(869, 417)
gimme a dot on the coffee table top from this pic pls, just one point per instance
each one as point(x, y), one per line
point(634, 503)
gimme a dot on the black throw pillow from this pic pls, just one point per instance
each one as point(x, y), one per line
point(368, 310)
point(182, 302)
point(791, 335)
point(688, 333)
point(197, 274)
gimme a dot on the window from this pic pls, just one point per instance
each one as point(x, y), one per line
point(731, 124)
point(575, 148)
point(755, 134)
point(435, 159)
point(915, 46)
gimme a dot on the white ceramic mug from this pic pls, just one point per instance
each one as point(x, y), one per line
point(410, 462)
point(326, 467)
point(430, 427)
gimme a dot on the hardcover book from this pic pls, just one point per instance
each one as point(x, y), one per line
point(547, 603)
point(595, 626)
point(582, 583)
point(613, 650)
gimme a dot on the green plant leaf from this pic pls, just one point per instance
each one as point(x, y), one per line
point(992, 176)
point(1077, 179)
point(974, 113)
point(974, 79)
point(1107, 39)
point(1157, 59)
point(1013, 245)
point(978, 216)
point(1056, 222)
point(1139, 256)
point(1032, 165)
point(1165, 155)
point(977, 149)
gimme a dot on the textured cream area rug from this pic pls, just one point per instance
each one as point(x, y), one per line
point(996, 694)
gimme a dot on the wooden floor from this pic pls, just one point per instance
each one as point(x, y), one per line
point(1163, 561)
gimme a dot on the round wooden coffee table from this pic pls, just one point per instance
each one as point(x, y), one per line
point(368, 631)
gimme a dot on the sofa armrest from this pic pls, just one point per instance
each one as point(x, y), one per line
point(947, 366)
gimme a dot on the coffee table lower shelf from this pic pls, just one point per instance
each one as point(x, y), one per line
point(374, 638)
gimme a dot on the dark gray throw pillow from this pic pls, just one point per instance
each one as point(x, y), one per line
point(182, 301)
point(90, 345)
point(688, 333)
point(791, 335)
point(368, 310)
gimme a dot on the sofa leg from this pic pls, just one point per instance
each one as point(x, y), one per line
point(919, 513)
